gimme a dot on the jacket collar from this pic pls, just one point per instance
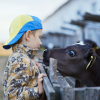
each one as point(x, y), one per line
point(24, 49)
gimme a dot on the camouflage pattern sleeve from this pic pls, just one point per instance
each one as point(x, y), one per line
point(20, 80)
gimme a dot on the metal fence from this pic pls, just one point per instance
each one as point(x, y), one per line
point(58, 87)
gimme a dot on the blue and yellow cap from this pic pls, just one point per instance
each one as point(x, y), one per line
point(19, 26)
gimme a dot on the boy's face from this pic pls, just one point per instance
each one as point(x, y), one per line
point(35, 41)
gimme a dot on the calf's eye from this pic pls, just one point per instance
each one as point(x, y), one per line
point(71, 53)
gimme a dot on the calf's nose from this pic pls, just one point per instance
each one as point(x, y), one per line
point(45, 52)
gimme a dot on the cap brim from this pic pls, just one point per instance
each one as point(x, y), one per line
point(12, 40)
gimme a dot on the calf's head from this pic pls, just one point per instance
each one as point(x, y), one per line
point(72, 60)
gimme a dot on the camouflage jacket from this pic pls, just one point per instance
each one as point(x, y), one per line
point(20, 75)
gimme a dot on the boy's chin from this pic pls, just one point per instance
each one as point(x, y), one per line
point(36, 48)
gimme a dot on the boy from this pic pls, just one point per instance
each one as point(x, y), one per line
point(21, 79)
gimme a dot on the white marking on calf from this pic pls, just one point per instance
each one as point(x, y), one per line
point(81, 43)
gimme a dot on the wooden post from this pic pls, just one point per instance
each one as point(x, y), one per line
point(50, 92)
point(52, 71)
point(57, 80)
point(53, 77)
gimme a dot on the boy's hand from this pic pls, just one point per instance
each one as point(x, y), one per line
point(40, 83)
point(37, 64)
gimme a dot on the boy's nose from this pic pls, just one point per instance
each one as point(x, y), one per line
point(40, 43)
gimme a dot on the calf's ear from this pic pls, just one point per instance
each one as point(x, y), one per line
point(90, 53)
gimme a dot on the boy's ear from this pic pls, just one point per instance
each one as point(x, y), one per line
point(28, 35)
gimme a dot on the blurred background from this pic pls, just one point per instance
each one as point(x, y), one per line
point(64, 23)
